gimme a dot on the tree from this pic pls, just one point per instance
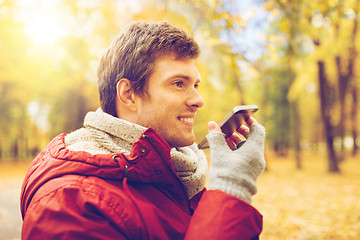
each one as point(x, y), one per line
point(333, 28)
point(345, 71)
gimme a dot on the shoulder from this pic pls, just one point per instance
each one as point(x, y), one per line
point(83, 140)
point(93, 200)
point(83, 189)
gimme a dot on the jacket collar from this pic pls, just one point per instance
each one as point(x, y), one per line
point(122, 130)
point(104, 133)
point(149, 161)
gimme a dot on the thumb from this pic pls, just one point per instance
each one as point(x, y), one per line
point(213, 127)
point(215, 137)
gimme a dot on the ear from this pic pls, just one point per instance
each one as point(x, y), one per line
point(125, 96)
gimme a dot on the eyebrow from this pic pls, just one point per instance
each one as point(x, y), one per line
point(179, 75)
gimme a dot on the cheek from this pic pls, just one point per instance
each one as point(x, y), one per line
point(151, 116)
point(161, 121)
point(159, 113)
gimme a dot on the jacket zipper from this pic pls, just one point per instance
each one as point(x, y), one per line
point(144, 136)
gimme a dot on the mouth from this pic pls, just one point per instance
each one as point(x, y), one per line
point(187, 120)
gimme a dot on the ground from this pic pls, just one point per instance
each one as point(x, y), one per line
point(11, 176)
point(10, 218)
point(310, 204)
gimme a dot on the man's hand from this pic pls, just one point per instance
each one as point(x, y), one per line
point(235, 139)
point(235, 170)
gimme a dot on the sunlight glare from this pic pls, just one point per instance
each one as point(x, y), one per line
point(44, 21)
point(44, 28)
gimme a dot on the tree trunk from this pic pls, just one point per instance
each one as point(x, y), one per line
point(296, 123)
point(354, 91)
point(343, 81)
point(15, 150)
point(354, 119)
point(325, 105)
point(294, 112)
point(345, 75)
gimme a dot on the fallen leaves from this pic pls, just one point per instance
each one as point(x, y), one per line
point(309, 204)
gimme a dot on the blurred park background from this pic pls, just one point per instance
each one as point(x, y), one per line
point(296, 59)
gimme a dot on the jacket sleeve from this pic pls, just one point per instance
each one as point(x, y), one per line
point(223, 216)
point(64, 214)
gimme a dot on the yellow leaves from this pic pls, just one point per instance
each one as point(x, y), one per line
point(309, 204)
point(270, 5)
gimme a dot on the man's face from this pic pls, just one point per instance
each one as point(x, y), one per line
point(172, 101)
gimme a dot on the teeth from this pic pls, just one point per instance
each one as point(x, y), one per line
point(189, 120)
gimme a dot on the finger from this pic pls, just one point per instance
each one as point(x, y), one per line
point(231, 144)
point(244, 130)
point(213, 127)
point(235, 138)
point(235, 141)
point(257, 133)
point(250, 121)
point(238, 140)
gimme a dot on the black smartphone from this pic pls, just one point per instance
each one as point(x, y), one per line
point(232, 121)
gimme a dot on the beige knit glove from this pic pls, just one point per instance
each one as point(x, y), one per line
point(235, 171)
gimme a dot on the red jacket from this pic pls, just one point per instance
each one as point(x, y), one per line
point(75, 195)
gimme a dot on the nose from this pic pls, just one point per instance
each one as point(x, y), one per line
point(195, 99)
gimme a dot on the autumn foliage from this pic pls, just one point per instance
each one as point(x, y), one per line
point(296, 59)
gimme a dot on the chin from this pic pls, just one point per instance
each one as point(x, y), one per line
point(179, 139)
point(184, 143)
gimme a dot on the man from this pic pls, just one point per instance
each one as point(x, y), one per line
point(133, 171)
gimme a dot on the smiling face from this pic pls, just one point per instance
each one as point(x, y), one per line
point(172, 101)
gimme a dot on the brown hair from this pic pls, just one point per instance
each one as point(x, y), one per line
point(133, 54)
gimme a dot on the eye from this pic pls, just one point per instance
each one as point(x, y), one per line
point(196, 85)
point(179, 84)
